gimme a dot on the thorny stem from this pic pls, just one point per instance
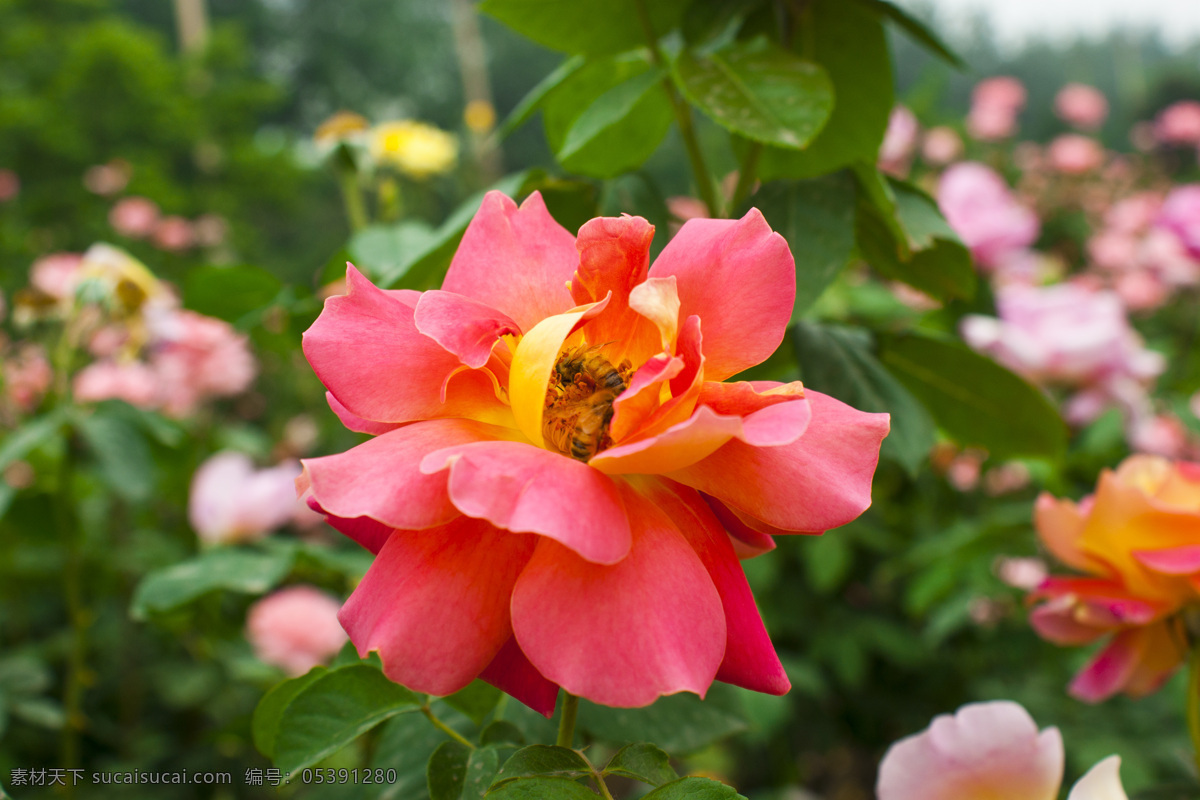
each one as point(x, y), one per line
point(1193, 703)
point(444, 728)
point(566, 722)
point(683, 117)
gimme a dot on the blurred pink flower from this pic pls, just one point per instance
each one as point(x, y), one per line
point(1074, 154)
point(135, 217)
point(1134, 213)
point(1113, 250)
point(941, 146)
point(27, 377)
point(56, 274)
point(1179, 123)
point(988, 750)
point(1181, 215)
point(131, 381)
point(10, 185)
point(1081, 105)
point(995, 104)
point(295, 629)
point(231, 501)
point(1141, 290)
point(1021, 572)
point(107, 179)
point(983, 211)
point(1159, 435)
point(1011, 476)
point(899, 141)
point(174, 233)
point(210, 230)
point(196, 357)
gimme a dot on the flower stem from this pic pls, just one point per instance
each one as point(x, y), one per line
point(444, 728)
point(683, 117)
point(356, 210)
point(566, 722)
point(1193, 704)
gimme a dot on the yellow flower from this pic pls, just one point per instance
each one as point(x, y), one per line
point(340, 127)
point(479, 116)
point(415, 148)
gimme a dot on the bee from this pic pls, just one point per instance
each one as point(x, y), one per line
point(579, 401)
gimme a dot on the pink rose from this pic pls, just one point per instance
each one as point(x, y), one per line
point(899, 141)
point(56, 274)
point(135, 217)
point(1074, 154)
point(1179, 124)
point(941, 146)
point(982, 210)
point(995, 104)
point(198, 357)
point(1181, 215)
point(295, 629)
point(231, 501)
point(174, 234)
point(27, 377)
point(1082, 106)
point(132, 381)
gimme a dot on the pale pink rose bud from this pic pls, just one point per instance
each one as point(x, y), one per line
point(135, 217)
point(983, 211)
point(1073, 154)
point(132, 381)
point(295, 629)
point(231, 501)
point(899, 142)
point(10, 185)
point(210, 230)
point(107, 179)
point(963, 472)
point(941, 146)
point(56, 274)
point(1021, 572)
point(1081, 105)
point(27, 377)
point(1180, 214)
point(1159, 435)
point(174, 233)
point(991, 123)
point(1179, 123)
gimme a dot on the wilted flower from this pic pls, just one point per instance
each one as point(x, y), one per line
point(135, 217)
point(899, 141)
point(415, 148)
point(1135, 540)
point(559, 469)
point(988, 751)
point(982, 210)
point(1074, 154)
point(941, 146)
point(1081, 105)
point(295, 629)
point(1179, 124)
point(231, 501)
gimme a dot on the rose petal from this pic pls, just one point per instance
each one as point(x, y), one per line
point(1183, 560)
point(747, 541)
point(526, 489)
point(1059, 525)
point(657, 300)
point(1102, 782)
point(1136, 661)
point(511, 672)
point(357, 423)
point(626, 634)
point(435, 603)
point(465, 327)
point(740, 279)
point(515, 260)
point(370, 533)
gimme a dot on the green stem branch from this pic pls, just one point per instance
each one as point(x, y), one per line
point(444, 728)
point(566, 722)
point(356, 209)
point(683, 116)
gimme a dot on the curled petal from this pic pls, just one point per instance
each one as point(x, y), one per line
point(1183, 560)
point(356, 423)
point(1137, 661)
point(1102, 782)
point(662, 630)
point(463, 326)
point(511, 672)
point(739, 277)
point(644, 395)
point(434, 604)
point(657, 300)
point(370, 533)
point(747, 540)
point(515, 260)
point(820, 481)
point(527, 489)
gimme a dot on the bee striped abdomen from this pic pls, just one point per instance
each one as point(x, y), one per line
point(579, 401)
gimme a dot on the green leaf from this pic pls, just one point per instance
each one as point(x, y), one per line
point(476, 701)
point(121, 453)
point(817, 219)
point(264, 725)
point(973, 399)
point(694, 789)
point(678, 723)
point(333, 711)
point(405, 744)
point(827, 561)
point(227, 569)
point(32, 435)
point(705, 20)
point(229, 293)
point(542, 789)
point(850, 43)
point(609, 110)
point(380, 250)
point(616, 114)
point(643, 762)
point(839, 362)
point(917, 30)
point(542, 759)
point(593, 27)
point(759, 90)
point(447, 771)
point(40, 711)
point(533, 100)
point(502, 732)
point(482, 767)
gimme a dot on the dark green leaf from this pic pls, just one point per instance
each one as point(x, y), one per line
point(228, 569)
point(694, 789)
point(817, 219)
point(916, 29)
point(839, 362)
point(593, 27)
point(32, 435)
point(40, 711)
point(381, 250)
point(405, 744)
point(706, 19)
point(541, 759)
point(616, 115)
point(502, 732)
point(333, 711)
point(121, 453)
point(264, 725)
point(849, 42)
point(229, 293)
point(643, 762)
point(974, 399)
point(447, 771)
point(678, 723)
point(542, 789)
point(759, 90)
point(532, 101)
point(481, 771)
point(476, 701)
